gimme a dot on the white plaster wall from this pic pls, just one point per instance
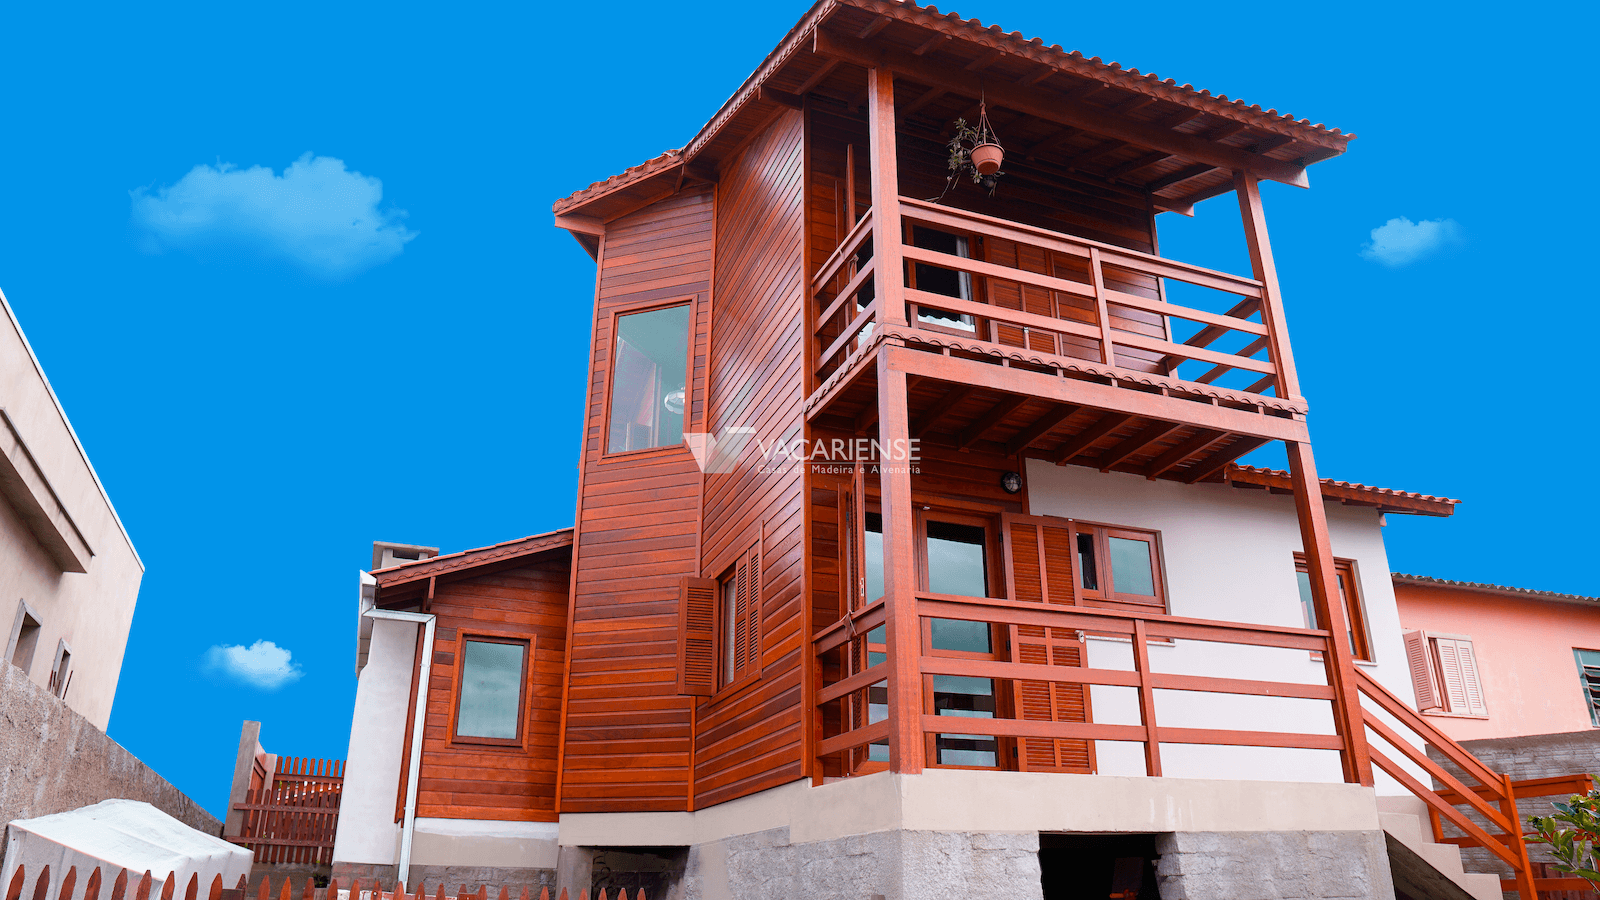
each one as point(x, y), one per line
point(91, 610)
point(1228, 555)
point(367, 832)
point(481, 842)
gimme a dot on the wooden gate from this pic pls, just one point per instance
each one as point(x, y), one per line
point(292, 820)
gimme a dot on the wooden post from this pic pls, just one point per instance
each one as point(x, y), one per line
point(1338, 658)
point(902, 627)
point(1147, 693)
point(1266, 272)
point(888, 278)
point(1508, 808)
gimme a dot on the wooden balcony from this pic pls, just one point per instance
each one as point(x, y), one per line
point(1040, 342)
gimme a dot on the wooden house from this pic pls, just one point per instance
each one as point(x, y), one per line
point(910, 531)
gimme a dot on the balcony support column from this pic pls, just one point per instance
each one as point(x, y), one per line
point(1266, 271)
point(902, 627)
point(887, 277)
point(1338, 658)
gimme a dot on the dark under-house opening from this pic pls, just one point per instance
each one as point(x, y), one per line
point(1098, 866)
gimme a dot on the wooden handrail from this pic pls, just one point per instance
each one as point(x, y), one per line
point(1015, 671)
point(855, 737)
point(1394, 706)
point(852, 242)
point(835, 633)
point(1117, 256)
point(1399, 773)
point(864, 679)
point(850, 332)
point(1439, 773)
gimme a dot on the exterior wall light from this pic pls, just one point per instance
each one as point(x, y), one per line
point(1012, 482)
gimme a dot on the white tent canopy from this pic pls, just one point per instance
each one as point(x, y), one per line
point(116, 835)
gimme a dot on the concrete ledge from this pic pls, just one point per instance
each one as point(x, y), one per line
point(484, 844)
point(955, 800)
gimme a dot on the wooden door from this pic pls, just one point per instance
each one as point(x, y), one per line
point(1039, 569)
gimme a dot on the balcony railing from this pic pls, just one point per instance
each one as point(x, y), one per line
point(1048, 301)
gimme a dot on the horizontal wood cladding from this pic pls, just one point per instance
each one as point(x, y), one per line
point(476, 781)
point(627, 731)
point(748, 738)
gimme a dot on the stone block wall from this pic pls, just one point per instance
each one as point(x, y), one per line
point(54, 760)
point(1526, 757)
point(1303, 865)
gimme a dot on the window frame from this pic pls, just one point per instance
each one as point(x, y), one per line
point(1106, 595)
point(1590, 699)
point(749, 669)
point(1436, 670)
point(1355, 610)
point(528, 642)
point(616, 315)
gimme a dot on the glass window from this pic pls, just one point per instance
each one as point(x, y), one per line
point(490, 704)
point(956, 565)
point(1086, 568)
point(647, 379)
point(1349, 599)
point(1589, 679)
point(972, 698)
point(1131, 568)
point(939, 280)
point(872, 556)
point(730, 620)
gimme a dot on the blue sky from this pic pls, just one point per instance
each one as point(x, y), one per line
point(291, 271)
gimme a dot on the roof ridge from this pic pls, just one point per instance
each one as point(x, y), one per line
point(1488, 587)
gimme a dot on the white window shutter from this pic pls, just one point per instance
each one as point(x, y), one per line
point(1452, 674)
point(1470, 681)
point(1419, 657)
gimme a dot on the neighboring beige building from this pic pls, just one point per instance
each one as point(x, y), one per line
point(69, 575)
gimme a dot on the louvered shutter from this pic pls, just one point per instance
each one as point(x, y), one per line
point(1458, 670)
point(697, 636)
point(1039, 558)
point(751, 626)
point(1419, 656)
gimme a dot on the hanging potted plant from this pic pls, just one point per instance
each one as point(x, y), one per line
point(975, 152)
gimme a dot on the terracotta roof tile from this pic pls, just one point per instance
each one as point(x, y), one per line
point(995, 38)
point(1399, 501)
point(414, 570)
point(1428, 581)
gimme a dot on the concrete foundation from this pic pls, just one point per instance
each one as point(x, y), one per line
point(1300, 865)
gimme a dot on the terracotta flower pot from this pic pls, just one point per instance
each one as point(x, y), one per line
point(986, 158)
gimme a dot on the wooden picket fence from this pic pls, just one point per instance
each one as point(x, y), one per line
point(292, 818)
point(94, 886)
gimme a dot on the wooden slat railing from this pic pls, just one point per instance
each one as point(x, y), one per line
point(1491, 796)
point(294, 817)
point(1134, 626)
point(1095, 333)
point(1494, 797)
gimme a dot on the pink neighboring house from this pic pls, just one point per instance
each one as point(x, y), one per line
point(1490, 661)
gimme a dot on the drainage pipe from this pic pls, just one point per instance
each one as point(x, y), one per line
point(427, 621)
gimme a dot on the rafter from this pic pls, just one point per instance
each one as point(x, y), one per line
point(1184, 174)
point(951, 399)
point(989, 419)
point(1080, 442)
point(1133, 445)
point(1040, 427)
point(1200, 442)
point(1057, 109)
point(1215, 463)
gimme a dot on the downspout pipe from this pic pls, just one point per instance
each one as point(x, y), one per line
point(408, 826)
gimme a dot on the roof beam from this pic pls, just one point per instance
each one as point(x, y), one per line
point(1040, 104)
point(1080, 442)
point(1040, 425)
point(783, 98)
point(1202, 441)
point(990, 419)
point(949, 401)
point(1134, 444)
point(1219, 460)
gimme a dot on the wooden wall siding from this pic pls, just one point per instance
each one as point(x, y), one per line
point(749, 739)
point(627, 729)
point(476, 781)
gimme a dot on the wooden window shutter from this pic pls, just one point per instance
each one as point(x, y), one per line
point(751, 626)
point(1419, 656)
point(1038, 560)
point(697, 636)
point(1458, 673)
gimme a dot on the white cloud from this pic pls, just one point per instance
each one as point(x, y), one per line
point(317, 215)
point(263, 664)
point(1399, 242)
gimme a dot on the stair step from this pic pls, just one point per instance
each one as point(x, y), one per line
point(1481, 887)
